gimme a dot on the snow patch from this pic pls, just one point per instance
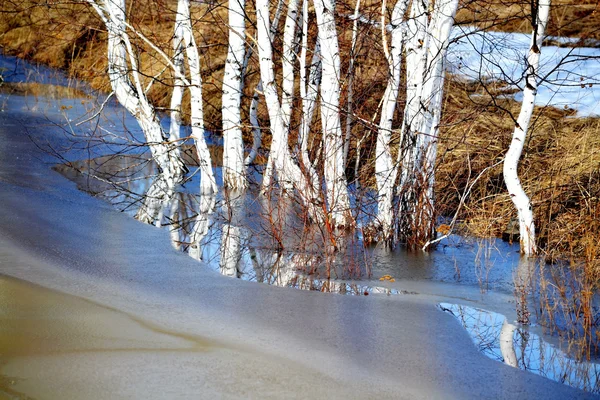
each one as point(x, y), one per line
point(571, 75)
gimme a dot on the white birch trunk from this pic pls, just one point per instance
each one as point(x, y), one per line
point(256, 133)
point(309, 89)
point(385, 169)
point(288, 61)
point(233, 146)
point(131, 95)
point(207, 181)
point(511, 160)
point(231, 235)
point(178, 84)
point(350, 96)
point(428, 42)
point(201, 225)
point(287, 97)
point(279, 158)
point(439, 35)
point(507, 345)
point(416, 60)
point(334, 173)
point(309, 105)
point(426, 121)
point(288, 173)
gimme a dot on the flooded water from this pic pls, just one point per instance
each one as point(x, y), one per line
point(518, 347)
point(265, 238)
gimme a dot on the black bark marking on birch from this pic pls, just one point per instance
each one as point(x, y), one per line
point(534, 22)
point(530, 86)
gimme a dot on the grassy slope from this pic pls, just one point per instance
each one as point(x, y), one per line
point(560, 167)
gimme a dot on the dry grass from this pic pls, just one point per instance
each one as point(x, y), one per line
point(560, 169)
point(37, 89)
point(577, 18)
point(71, 37)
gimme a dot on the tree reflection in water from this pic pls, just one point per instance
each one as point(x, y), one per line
point(239, 233)
point(500, 340)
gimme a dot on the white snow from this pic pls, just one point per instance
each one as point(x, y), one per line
point(571, 76)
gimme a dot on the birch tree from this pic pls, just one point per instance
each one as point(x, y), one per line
point(178, 82)
point(126, 84)
point(309, 88)
point(256, 131)
point(126, 81)
point(540, 12)
point(333, 142)
point(288, 174)
point(288, 62)
point(426, 51)
point(230, 248)
point(416, 60)
point(184, 24)
point(233, 147)
point(385, 169)
point(426, 34)
point(201, 225)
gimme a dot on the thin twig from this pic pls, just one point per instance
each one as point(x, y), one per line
point(99, 111)
point(460, 204)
